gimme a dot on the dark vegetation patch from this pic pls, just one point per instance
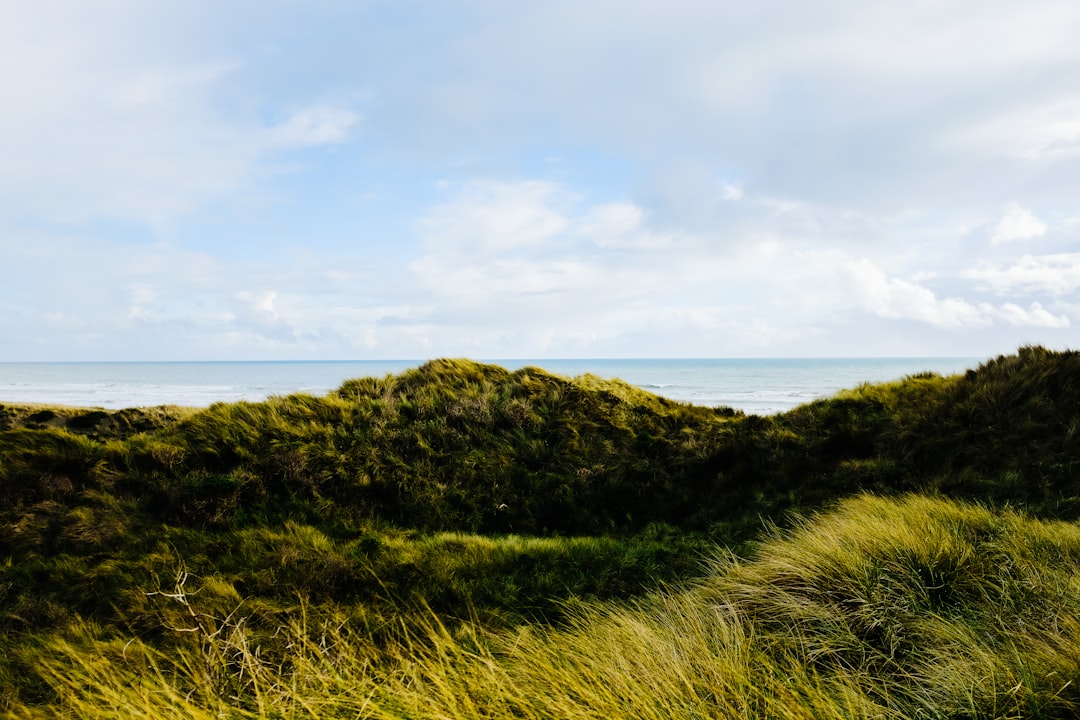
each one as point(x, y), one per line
point(98, 424)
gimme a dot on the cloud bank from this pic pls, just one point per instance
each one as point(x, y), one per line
point(681, 178)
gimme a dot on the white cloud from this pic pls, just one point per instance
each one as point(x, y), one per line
point(497, 246)
point(491, 216)
point(112, 111)
point(143, 297)
point(1055, 275)
point(621, 225)
point(899, 299)
point(1018, 223)
point(1045, 131)
point(261, 303)
point(732, 191)
point(257, 313)
point(314, 126)
point(1035, 316)
point(604, 276)
point(119, 142)
point(583, 276)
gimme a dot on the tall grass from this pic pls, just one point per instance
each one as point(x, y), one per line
point(411, 522)
point(917, 607)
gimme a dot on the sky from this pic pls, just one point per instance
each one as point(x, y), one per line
point(368, 179)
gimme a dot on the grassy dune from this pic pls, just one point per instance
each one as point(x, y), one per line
point(464, 541)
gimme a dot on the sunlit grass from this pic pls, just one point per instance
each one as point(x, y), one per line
point(462, 541)
point(881, 609)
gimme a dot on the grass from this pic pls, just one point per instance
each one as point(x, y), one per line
point(881, 608)
point(460, 446)
point(458, 540)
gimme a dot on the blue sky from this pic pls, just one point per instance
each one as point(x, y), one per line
point(347, 180)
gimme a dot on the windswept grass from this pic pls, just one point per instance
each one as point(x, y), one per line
point(906, 608)
point(96, 423)
point(460, 446)
point(458, 540)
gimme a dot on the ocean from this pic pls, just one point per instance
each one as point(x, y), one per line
point(764, 386)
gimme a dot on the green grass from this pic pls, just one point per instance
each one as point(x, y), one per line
point(460, 446)
point(457, 540)
point(913, 607)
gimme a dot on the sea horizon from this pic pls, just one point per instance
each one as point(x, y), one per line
point(754, 385)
